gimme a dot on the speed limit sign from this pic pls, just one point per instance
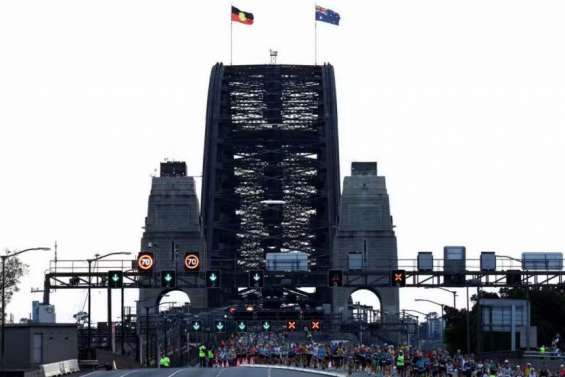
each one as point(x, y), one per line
point(192, 262)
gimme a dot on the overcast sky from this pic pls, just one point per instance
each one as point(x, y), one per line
point(462, 103)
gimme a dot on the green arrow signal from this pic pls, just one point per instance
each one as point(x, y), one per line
point(256, 277)
point(213, 277)
point(168, 278)
point(115, 278)
point(196, 325)
point(241, 326)
point(219, 325)
point(266, 325)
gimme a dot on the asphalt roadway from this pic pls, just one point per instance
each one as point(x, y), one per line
point(206, 372)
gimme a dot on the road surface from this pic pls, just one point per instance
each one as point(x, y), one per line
point(205, 372)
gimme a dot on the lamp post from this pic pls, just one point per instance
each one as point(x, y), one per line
point(147, 309)
point(454, 293)
point(442, 312)
point(418, 341)
point(4, 257)
point(432, 302)
point(96, 259)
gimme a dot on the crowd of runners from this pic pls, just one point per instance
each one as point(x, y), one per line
point(380, 361)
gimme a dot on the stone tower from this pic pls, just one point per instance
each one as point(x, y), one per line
point(365, 238)
point(172, 227)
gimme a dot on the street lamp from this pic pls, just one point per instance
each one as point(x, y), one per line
point(98, 257)
point(454, 293)
point(418, 340)
point(433, 302)
point(442, 312)
point(4, 257)
point(417, 311)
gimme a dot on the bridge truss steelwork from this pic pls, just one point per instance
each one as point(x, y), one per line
point(271, 165)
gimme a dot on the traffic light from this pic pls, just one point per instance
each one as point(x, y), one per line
point(212, 279)
point(232, 310)
point(196, 326)
point(168, 279)
point(115, 279)
point(398, 278)
point(315, 325)
point(255, 279)
point(220, 326)
point(266, 325)
point(241, 326)
point(513, 277)
point(335, 278)
point(291, 325)
point(145, 262)
point(191, 262)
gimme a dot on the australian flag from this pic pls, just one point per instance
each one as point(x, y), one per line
point(327, 15)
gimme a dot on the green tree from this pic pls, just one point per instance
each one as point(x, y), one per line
point(15, 269)
point(547, 309)
point(455, 335)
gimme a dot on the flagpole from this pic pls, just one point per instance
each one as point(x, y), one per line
point(315, 37)
point(231, 37)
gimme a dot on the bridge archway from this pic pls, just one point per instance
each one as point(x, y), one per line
point(366, 303)
point(172, 298)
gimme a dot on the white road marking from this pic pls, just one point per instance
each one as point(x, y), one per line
point(125, 374)
point(175, 372)
point(220, 372)
point(91, 373)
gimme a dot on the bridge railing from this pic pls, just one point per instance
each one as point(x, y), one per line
point(81, 265)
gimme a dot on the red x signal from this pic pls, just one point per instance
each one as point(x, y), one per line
point(291, 325)
point(315, 325)
point(398, 278)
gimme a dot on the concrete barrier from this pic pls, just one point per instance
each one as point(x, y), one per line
point(60, 368)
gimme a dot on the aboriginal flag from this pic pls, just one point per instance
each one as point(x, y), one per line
point(241, 16)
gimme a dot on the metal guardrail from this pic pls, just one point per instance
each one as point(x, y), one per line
point(543, 355)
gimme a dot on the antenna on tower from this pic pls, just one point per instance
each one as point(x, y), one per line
point(273, 54)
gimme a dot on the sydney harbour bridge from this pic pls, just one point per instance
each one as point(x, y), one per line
point(275, 244)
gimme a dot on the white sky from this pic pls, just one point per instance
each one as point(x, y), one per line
point(462, 103)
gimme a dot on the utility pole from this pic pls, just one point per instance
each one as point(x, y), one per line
point(89, 336)
point(468, 325)
point(147, 336)
point(123, 335)
point(111, 334)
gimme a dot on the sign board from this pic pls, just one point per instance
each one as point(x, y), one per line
point(454, 259)
point(488, 261)
point(192, 262)
point(542, 261)
point(425, 261)
point(145, 262)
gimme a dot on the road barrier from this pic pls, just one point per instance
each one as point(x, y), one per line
point(60, 368)
point(542, 355)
